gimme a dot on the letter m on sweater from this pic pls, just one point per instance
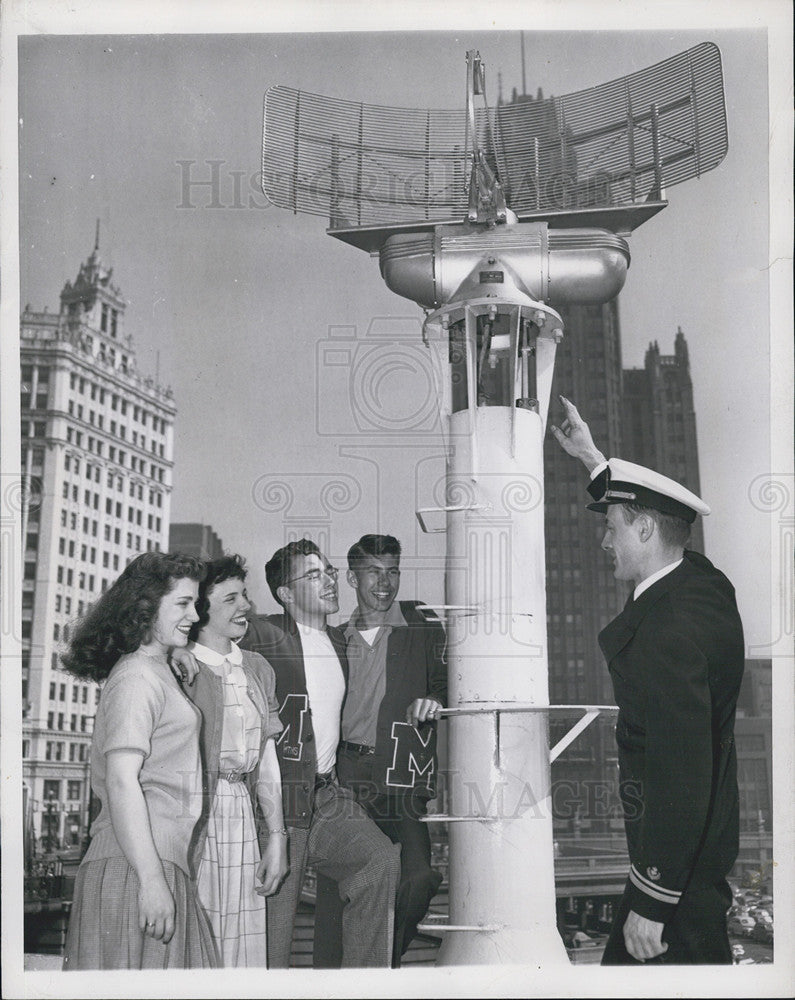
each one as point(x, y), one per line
point(292, 713)
point(412, 763)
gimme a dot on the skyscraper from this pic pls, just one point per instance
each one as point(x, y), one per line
point(660, 420)
point(645, 415)
point(197, 540)
point(97, 459)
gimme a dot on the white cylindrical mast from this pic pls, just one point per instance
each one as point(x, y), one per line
point(495, 346)
point(501, 874)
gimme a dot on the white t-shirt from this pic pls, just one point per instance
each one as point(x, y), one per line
point(325, 686)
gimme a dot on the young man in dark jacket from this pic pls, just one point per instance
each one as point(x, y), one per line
point(326, 826)
point(675, 654)
point(397, 683)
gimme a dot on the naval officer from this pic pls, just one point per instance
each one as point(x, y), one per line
point(675, 655)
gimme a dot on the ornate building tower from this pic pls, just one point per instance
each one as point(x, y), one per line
point(97, 454)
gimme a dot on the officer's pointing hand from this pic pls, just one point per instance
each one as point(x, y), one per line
point(643, 937)
point(421, 710)
point(574, 437)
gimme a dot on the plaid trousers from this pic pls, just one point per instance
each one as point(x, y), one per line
point(343, 843)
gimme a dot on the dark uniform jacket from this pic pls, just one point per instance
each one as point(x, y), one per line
point(405, 757)
point(676, 660)
point(276, 637)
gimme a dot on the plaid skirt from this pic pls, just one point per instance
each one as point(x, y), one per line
point(103, 926)
point(227, 876)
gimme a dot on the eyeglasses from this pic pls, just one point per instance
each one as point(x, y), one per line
point(315, 575)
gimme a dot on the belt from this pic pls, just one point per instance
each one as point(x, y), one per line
point(233, 776)
point(326, 779)
point(361, 748)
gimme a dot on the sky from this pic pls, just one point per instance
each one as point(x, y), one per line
point(265, 327)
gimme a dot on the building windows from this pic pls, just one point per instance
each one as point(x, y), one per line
point(72, 751)
point(52, 690)
point(51, 720)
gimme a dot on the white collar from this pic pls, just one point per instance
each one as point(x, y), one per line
point(309, 630)
point(213, 659)
point(645, 584)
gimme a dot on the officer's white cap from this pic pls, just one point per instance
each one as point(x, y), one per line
point(625, 482)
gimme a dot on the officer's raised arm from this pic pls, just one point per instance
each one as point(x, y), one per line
point(574, 437)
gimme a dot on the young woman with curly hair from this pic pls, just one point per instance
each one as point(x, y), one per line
point(135, 906)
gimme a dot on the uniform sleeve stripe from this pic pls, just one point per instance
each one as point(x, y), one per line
point(655, 891)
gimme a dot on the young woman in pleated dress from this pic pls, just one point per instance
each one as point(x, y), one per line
point(238, 859)
point(135, 906)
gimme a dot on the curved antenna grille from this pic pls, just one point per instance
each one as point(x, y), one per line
point(615, 145)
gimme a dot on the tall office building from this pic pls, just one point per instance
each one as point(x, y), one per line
point(197, 540)
point(582, 594)
point(644, 415)
point(660, 420)
point(97, 448)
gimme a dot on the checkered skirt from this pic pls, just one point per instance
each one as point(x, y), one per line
point(103, 926)
point(226, 879)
